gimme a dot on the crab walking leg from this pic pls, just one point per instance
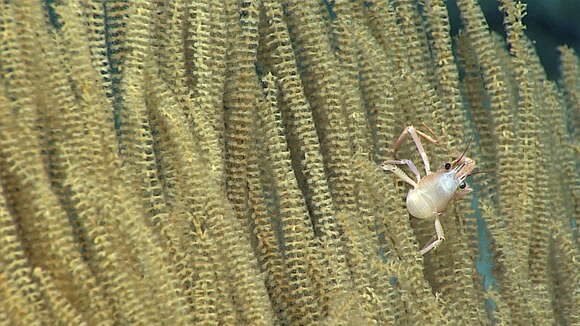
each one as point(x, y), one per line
point(400, 173)
point(415, 135)
point(438, 241)
point(422, 152)
point(430, 131)
point(409, 163)
point(427, 137)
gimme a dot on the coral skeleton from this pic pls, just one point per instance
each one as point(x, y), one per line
point(213, 162)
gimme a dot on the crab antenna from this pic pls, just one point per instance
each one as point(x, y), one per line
point(464, 151)
point(477, 172)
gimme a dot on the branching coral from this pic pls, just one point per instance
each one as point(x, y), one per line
point(216, 163)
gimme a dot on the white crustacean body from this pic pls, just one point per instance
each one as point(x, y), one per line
point(432, 193)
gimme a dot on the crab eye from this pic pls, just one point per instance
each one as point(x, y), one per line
point(447, 166)
point(462, 185)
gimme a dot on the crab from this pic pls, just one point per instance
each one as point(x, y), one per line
point(431, 194)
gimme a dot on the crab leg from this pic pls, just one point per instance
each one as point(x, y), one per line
point(415, 135)
point(438, 241)
point(409, 163)
point(400, 173)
